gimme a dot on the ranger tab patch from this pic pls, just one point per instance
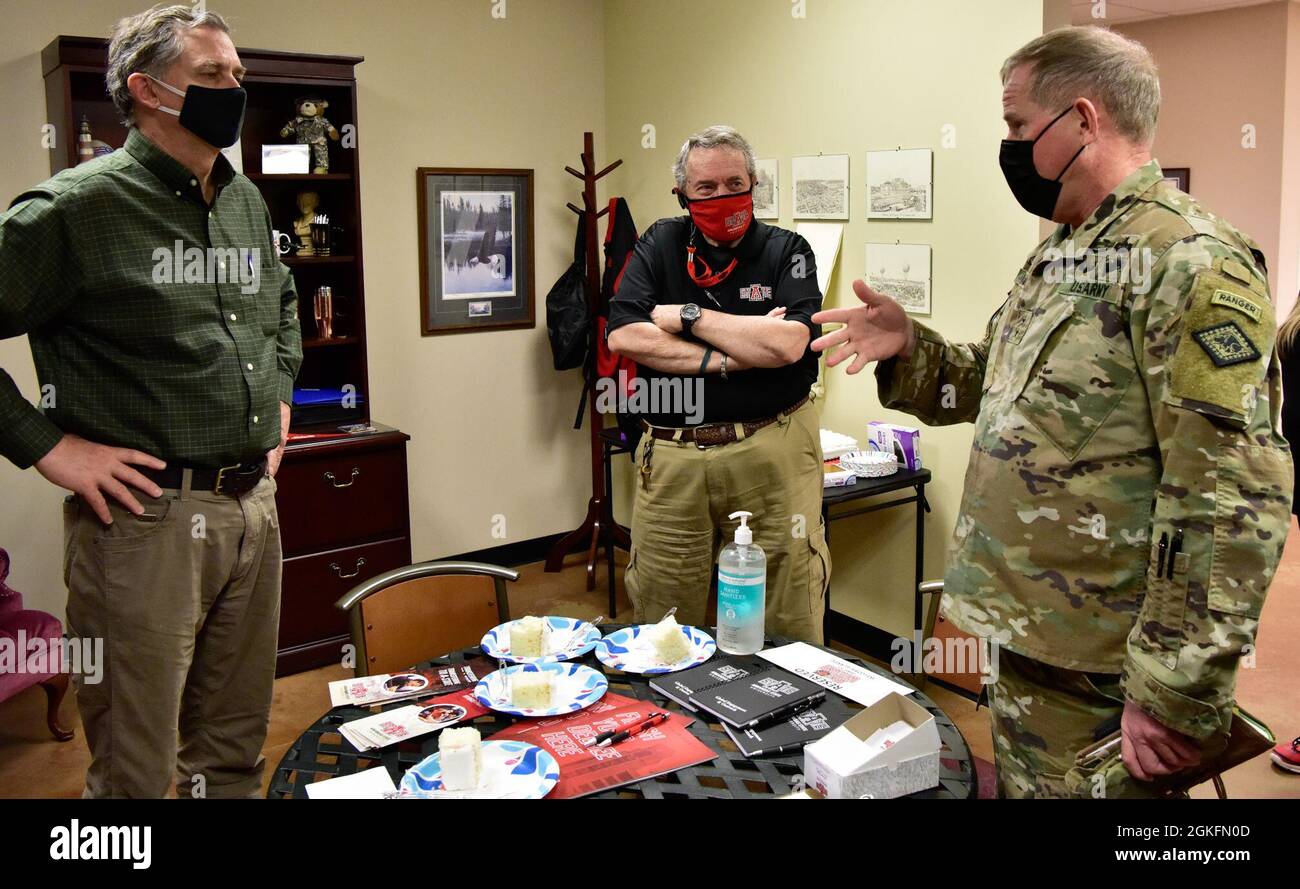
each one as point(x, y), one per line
point(1238, 302)
point(1226, 344)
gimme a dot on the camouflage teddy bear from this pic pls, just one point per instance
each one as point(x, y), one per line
point(310, 127)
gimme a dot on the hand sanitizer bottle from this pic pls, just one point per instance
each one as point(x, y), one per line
point(742, 591)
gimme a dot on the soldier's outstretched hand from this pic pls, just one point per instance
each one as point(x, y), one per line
point(877, 330)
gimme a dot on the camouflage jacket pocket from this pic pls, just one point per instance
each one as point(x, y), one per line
point(1078, 376)
point(1252, 514)
point(1159, 630)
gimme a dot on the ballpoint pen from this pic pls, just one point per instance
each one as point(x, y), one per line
point(609, 739)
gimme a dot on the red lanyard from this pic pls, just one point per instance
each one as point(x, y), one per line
point(710, 278)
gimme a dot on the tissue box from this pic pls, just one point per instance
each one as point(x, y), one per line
point(905, 758)
point(903, 441)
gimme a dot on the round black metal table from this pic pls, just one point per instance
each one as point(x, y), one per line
point(323, 753)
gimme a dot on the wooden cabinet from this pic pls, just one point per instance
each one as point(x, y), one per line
point(342, 503)
point(344, 518)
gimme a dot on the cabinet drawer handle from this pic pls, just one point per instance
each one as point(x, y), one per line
point(334, 566)
point(329, 477)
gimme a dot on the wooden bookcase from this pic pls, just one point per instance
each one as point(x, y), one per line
point(343, 507)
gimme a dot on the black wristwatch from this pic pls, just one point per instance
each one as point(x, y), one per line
point(690, 314)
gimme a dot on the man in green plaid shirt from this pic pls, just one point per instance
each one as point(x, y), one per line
point(166, 340)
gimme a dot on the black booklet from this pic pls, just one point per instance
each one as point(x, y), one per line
point(678, 687)
point(791, 734)
point(759, 699)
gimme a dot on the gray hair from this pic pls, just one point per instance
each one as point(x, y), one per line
point(1096, 63)
point(148, 43)
point(714, 137)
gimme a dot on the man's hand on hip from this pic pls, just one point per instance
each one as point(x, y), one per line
point(276, 453)
point(92, 471)
point(875, 331)
point(1151, 749)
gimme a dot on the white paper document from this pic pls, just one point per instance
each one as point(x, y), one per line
point(853, 682)
point(824, 238)
point(371, 783)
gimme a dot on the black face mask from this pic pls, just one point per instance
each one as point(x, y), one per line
point(214, 115)
point(1035, 193)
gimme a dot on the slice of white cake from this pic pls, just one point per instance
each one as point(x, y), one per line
point(531, 689)
point(671, 644)
point(530, 637)
point(460, 753)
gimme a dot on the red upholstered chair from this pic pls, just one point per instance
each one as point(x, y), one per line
point(19, 626)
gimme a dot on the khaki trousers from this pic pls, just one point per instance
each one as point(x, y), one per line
point(680, 522)
point(187, 602)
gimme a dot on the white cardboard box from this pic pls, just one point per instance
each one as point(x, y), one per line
point(286, 159)
point(843, 766)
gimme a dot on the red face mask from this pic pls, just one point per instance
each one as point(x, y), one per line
point(724, 218)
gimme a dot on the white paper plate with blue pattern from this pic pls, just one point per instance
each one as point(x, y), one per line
point(631, 651)
point(571, 639)
point(573, 687)
point(509, 769)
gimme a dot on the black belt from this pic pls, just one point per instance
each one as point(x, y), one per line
point(231, 481)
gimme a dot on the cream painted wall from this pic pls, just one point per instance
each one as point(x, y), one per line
point(1220, 71)
point(853, 75)
point(483, 409)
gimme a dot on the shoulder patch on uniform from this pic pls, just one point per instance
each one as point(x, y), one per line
point(1238, 302)
point(1223, 352)
point(1226, 344)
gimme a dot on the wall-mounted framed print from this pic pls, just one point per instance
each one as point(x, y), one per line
point(766, 189)
point(821, 186)
point(1179, 177)
point(901, 271)
point(900, 184)
point(476, 249)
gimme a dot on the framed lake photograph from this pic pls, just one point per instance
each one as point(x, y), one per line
point(476, 249)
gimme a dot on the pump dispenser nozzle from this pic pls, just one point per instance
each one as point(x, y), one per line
point(744, 534)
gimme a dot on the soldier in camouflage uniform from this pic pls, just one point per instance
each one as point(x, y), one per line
point(1128, 492)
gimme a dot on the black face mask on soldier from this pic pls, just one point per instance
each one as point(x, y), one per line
point(214, 115)
point(1033, 191)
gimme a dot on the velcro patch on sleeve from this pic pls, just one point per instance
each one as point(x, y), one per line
point(1222, 356)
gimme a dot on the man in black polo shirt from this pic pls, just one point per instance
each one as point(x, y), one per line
point(716, 309)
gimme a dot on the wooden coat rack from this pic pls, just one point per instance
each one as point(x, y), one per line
point(599, 527)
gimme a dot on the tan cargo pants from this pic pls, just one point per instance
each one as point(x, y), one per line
point(679, 523)
point(187, 601)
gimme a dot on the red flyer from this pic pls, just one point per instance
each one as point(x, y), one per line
point(584, 770)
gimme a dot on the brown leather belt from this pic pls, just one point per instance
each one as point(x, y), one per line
point(715, 434)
